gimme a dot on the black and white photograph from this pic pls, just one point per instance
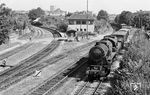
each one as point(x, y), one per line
point(74, 47)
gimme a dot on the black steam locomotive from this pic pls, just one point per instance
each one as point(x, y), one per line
point(107, 54)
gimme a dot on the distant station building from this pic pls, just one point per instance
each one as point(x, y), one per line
point(81, 22)
point(56, 12)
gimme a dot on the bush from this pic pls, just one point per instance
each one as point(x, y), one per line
point(135, 68)
point(102, 14)
point(35, 13)
point(62, 27)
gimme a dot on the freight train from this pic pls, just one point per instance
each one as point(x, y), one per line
point(107, 54)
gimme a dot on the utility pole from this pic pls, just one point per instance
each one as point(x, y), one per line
point(87, 19)
point(140, 15)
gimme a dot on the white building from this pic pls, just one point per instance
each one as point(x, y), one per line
point(81, 22)
point(57, 12)
point(52, 8)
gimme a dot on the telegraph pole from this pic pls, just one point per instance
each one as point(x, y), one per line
point(87, 19)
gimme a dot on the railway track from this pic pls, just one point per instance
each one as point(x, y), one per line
point(88, 88)
point(18, 49)
point(39, 32)
point(54, 32)
point(29, 65)
point(95, 88)
point(52, 83)
point(25, 67)
point(12, 52)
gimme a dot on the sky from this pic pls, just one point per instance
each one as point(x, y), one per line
point(111, 6)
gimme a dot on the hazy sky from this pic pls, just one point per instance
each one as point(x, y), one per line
point(111, 6)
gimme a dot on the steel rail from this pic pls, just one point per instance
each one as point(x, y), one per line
point(19, 73)
point(6, 77)
point(51, 84)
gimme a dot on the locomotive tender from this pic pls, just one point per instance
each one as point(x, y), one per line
point(107, 54)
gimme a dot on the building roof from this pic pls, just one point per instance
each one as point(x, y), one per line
point(80, 16)
point(58, 10)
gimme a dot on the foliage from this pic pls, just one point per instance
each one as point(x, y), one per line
point(102, 26)
point(35, 13)
point(142, 19)
point(125, 17)
point(9, 21)
point(137, 19)
point(68, 14)
point(19, 22)
point(48, 20)
point(24, 25)
point(102, 15)
point(115, 26)
point(135, 68)
point(62, 27)
point(5, 24)
point(117, 19)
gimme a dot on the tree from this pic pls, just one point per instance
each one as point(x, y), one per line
point(24, 25)
point(35, 13)
point(117, 18)
point(126, 17)
point(137, 19)
point(5, 25)
point(115, 26)
point(19, 21)
point(102, 15)
point(68, 14)
point(62, 27)
point(102, 26)
point(142, 18)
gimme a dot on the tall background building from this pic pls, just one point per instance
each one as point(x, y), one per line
point(52, 8)
point(56, 11)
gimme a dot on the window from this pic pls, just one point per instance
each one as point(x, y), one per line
point(84, 29)
point(83, 22)
point(78, 22)
point(80, 29)
point(77, 29)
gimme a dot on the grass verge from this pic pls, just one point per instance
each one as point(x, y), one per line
point(134, 77)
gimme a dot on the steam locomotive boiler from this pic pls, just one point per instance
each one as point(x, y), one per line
point(105, 53)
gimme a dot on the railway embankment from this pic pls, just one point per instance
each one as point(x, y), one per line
point(133, 78)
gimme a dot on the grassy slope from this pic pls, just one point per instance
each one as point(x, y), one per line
point(102, 27)
point(136, 68)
